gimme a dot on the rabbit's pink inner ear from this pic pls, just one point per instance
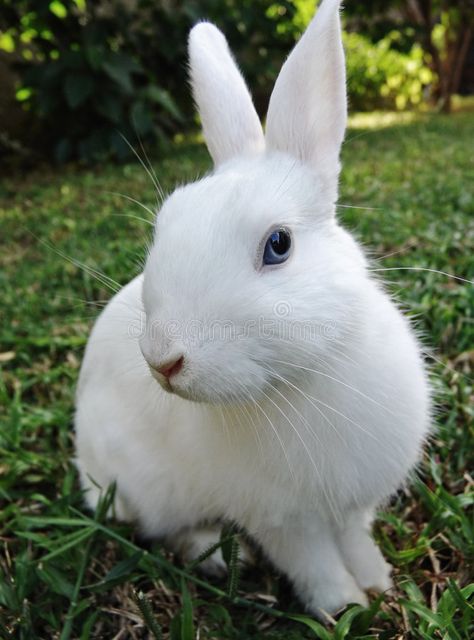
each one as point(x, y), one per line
point(307, 113)
point(230, 123)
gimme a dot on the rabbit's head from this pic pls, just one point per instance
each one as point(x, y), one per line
point(249, 272)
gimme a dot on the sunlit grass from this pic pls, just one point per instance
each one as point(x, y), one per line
point(382, 119)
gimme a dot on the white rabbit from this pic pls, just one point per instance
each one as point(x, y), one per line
point(256, 372)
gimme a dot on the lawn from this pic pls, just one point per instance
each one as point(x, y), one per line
point(67, 241)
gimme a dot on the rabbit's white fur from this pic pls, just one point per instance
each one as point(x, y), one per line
point(303, 402)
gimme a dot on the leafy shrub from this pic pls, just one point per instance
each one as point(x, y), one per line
point(84, 80)
point(93, 72)
point(381, 77)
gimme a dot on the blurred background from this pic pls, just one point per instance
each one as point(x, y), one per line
point(76, 75)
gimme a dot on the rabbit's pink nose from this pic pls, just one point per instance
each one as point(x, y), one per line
point(171, 368)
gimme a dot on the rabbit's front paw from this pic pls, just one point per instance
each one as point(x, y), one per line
point(368, 566)
point(331, 598)
point(362, 556)
point(374, 574)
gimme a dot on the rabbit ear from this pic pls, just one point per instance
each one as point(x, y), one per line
point(307, 113)
point(230, 123)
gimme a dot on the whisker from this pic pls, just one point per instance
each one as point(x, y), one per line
point(298, 413)
point(137, 155)
point(288, 383)
point(224, 424)
point(286, 178)
point(275, 431)
point(140, 204)
point(442, 273)
point(430, 355)
point(130, 215)
point(308, 452)
point(243, 407)
point(409, 246)
point(157, 182)
point(107, 281)
point(352, 206)
point(326, 375)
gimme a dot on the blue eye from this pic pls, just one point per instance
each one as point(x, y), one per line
point(277, 247)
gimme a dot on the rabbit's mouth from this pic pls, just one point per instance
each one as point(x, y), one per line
point(231, 393)
point(174, 384)
point(167, 382)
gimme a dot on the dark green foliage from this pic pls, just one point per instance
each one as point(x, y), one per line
point(93, 72)
point(406, 190)
point(90, 75)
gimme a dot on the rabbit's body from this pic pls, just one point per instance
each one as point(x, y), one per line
point(302, 403)
point(188, 462)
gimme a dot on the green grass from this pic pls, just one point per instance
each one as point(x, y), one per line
point(65, 573)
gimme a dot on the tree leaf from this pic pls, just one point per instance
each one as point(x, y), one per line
point(164, 99)
point(110, 106)
point(140, 118)
point(62, 151)
point(77, 88)
point(119, 68)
